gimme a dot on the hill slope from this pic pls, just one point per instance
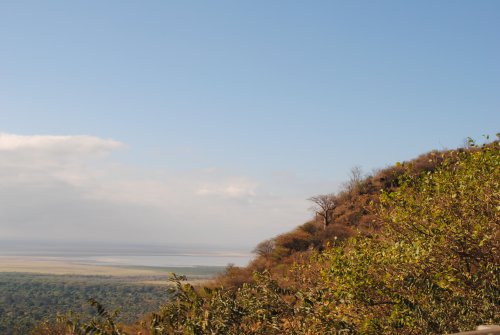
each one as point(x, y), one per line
point(354, 212)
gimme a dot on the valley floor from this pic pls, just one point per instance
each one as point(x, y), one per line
point(33, 289)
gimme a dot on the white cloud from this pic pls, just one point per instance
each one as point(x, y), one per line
point(40, 158)
point(232, 188)
point(69, 188)
point(81, 144)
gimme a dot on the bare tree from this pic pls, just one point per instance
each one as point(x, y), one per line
point(323, 207)
point(265, 248)
point(355, 178)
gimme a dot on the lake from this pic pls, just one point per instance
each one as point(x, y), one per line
point(125, 255)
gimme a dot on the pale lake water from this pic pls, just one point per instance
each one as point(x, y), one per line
point(124, 255)
point(164, 260)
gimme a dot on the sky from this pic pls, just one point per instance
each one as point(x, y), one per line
point(213, 122)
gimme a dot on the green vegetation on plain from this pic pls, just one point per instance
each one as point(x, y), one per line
point(27, 299)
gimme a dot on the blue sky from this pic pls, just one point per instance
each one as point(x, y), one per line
point(275, 99)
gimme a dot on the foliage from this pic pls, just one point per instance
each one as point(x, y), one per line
point(102, 323)
point(27, 299)
point(443, 241)
point(262, 307)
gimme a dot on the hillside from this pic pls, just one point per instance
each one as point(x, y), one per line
point(412, 249)
point(354, 212)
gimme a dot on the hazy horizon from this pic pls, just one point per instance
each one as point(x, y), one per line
point(123, 254)
point(19, 247)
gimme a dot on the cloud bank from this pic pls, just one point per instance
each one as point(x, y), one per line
point(53, 144)
point(69, 188)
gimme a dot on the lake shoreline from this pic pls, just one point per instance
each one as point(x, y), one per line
point(43, 265)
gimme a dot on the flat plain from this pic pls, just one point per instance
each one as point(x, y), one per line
point(37, 288)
